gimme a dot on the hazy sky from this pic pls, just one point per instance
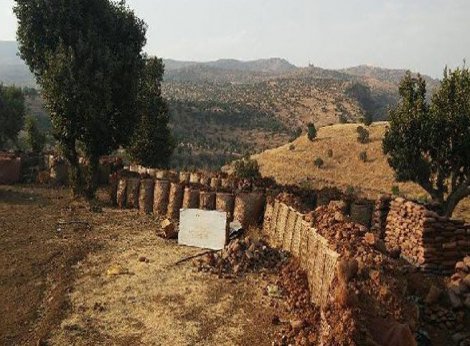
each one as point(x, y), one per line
point(422, 35)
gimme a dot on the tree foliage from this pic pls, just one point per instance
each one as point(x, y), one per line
point(152, 143)
point(34, 137)
point(247, 169)
point(311, 131)
point(429, 144)
point(12, 112)
point(86, 56)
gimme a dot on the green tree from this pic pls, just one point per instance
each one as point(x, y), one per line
point(12, 112)
point(152, 143)
point(86, 56)
point(34, 137)
point(311, 131)
point(247, 169)
point(430, 144)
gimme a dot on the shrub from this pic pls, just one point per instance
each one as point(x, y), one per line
point(363, 135)
point(395, 190)
point(330, 153)
point(319, 162)
point(291, 147)
point(343, 119)
point(247, 169)
point(350, 190)
point(363, 156)
point(311, 131)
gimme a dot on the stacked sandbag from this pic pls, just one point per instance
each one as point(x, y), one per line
point(207, 200)
point(121, 193)
point(249, 207)
point(161, 197)
point(132, 196)
point(146, 196)
point(184, 177)
point(191, 198)
point(225, 202)
point(431, 242)
point(459, 286)
point(175, 201)
point(379, 216)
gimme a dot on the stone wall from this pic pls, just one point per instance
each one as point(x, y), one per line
point(285, 228)
point(430, 242)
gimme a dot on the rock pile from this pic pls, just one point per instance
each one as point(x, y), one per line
point(425, 239)
point(241, 256)
point(459, 286)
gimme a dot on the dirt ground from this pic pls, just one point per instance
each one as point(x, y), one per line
point(113, 283)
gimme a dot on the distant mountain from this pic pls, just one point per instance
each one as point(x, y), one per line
point(12, 69)
point(393, 76)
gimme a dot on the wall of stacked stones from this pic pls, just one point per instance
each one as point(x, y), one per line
point(285, 228)
point(430, 242)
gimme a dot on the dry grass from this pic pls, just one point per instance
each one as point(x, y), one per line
point(344, 169)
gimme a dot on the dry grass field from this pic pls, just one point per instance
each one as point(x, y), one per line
point(294, 164)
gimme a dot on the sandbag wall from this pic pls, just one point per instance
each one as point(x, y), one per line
point(430, 242)
point(165, 198)
point(286, 228)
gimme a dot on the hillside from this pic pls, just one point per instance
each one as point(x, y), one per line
point(224, 109)
point(294, 164)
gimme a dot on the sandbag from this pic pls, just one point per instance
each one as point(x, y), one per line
point(207, 200)
point(194, 178)
point(146, 196)
point(161, 197)
point(175, 201)
point(184, 177)
point(225, 202)
point(121, 193)
point(249, 208)
point(191, 198)
point(132, 199)
point(205, 180)
point(215, 183)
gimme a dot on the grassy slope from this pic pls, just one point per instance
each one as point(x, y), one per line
point(345, 168)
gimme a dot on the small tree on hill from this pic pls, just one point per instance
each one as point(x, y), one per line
point(430, 144)
point(152, 143)
point(363, 135)
point(86, 56)
point(34, 137)
point(311, 131)
point(247, 169)
point(12, 111)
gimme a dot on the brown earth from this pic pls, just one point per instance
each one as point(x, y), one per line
point(114, 283)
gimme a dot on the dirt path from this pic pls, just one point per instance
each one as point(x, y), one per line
point(99, 291)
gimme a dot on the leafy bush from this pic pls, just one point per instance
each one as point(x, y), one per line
point(363, 135)
point(247, 169)
point(311, 131)
point(330, 153)
point(291, 147)
point(363, 156)
point(319, 162)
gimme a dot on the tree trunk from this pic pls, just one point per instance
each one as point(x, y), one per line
point(455, 197)
point(76, 178)
point(92, 177)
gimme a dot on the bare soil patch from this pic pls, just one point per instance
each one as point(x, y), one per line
point(115, 284)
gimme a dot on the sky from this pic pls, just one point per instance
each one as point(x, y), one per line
point(421, 35)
